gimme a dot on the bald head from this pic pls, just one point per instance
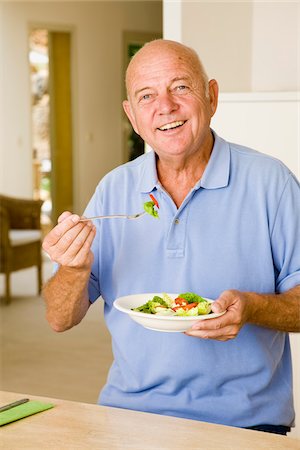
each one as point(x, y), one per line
point(161, 47)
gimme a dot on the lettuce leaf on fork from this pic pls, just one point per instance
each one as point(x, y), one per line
point(150, 206)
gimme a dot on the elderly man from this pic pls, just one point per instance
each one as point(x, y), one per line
point(229, 229)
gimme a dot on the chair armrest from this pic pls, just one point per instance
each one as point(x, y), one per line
point(4, 220)
point(4, 229)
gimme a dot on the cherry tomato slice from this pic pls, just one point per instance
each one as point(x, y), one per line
point(177, 307)
point(190, 306)
point(186, 307)
point(180, 301)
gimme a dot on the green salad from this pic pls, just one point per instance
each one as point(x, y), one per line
point(186, 304)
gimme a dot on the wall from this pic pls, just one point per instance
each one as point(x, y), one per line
point(97, 85)
point(246, 46)
point(221, 34)
point(276, 46)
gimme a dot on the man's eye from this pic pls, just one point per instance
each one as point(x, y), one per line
point(181, 88)
point(145, 97)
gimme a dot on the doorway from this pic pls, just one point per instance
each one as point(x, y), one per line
point(51, 122)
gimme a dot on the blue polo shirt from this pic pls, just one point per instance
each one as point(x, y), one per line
point(238, 228)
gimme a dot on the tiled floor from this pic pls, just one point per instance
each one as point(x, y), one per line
point(35, 360)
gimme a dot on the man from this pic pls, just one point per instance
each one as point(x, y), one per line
point(229, 229)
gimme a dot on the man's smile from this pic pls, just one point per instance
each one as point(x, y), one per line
point(172, 125)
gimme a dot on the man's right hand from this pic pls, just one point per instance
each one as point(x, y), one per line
point(69, 242)
point(66, 293)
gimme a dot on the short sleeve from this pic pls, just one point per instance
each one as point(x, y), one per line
point(285, 237)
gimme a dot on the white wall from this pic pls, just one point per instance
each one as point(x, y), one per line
point(172, 20)
point(276, 46)
point(97, 85)
point(221, 34)
point(245, 45)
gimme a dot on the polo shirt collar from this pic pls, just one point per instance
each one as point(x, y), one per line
point(149, 180)
point(216, 174)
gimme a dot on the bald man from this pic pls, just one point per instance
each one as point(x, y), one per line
point(228, 230)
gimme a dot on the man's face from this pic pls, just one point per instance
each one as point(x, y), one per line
point(168, 106)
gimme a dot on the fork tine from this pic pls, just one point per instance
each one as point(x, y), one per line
point(136, 216)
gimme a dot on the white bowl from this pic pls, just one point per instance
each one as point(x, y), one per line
point(154, 321)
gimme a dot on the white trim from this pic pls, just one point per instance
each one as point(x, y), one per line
point(235, 97)
point(266, 121)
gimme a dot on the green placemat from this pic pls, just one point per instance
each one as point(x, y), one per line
point(21, 411)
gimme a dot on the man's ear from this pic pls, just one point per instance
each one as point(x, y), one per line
point(213, 95)
point(129, 114)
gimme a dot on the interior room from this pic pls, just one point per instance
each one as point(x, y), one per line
point(63, 128)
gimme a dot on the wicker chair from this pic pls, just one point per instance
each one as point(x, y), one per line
point(20, 238)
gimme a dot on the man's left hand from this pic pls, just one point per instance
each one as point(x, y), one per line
point(228, 325)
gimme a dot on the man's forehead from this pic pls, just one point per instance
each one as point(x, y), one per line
point(149, 56)
point(156, 60)
point(159, 70)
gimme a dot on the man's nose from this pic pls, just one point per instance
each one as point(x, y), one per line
point(167, 103)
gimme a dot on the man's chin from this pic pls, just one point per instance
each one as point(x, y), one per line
point(171, 153)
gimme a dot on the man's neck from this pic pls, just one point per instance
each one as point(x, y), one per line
point(178, 176)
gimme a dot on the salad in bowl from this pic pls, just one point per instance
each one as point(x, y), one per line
point(167, 312)
point(186, 304)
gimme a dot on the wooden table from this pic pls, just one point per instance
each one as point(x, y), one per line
point(71, 426)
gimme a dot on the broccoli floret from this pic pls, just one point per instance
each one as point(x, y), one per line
point(190, 297)
point(149, 307)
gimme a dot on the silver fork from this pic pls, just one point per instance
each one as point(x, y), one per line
point(114, 216)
